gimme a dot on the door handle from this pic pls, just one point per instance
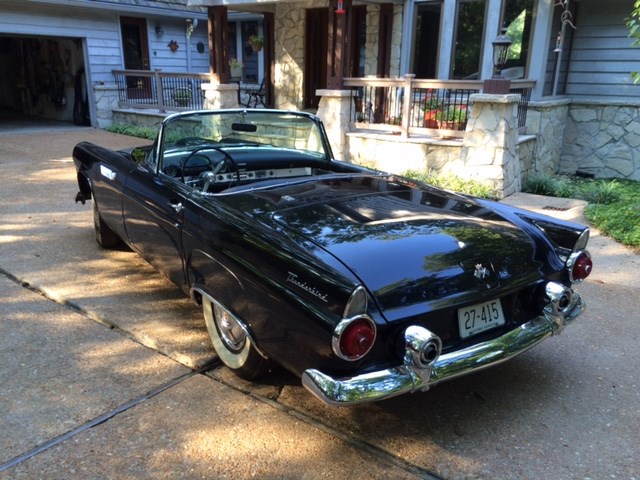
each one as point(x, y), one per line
point(176, 205)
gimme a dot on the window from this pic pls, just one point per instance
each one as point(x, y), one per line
point(517, 18)
point(467, 49)
point(427, 38)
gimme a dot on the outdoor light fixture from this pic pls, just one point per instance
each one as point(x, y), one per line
point(159, 30)
point(500, 48)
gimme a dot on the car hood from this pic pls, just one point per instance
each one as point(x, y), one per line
point(412, 245)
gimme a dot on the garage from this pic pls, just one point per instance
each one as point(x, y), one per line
point(43, 78)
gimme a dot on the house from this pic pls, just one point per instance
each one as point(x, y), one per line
point(583, 114)
point(584, 108)
point(56, 54)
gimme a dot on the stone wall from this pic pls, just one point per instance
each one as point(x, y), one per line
point(394, 154)
point(602, 139)
point(106, 101)
point(289, 52)
point(547, 120)
point(372, 40)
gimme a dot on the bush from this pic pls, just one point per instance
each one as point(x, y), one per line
point(149, 133)
point(451, 182)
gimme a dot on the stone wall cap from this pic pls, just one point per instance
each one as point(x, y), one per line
point(556, 102)
point(326, 92)
point(493, 98)
point(606, 102)
point(221, 87)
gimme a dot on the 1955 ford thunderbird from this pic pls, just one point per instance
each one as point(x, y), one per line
point(367, 285)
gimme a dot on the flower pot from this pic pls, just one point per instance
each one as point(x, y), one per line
point(236, 72)
point(430, 119)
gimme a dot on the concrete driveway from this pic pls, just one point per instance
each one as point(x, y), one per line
point(107, 371)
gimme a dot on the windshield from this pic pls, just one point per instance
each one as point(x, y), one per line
point(244, 128)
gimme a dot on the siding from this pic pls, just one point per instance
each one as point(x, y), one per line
point(603, 56)
point(98, 29)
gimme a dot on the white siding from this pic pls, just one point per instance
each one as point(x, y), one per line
point(603, 56)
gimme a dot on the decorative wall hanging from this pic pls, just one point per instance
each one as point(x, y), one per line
point(173, 46)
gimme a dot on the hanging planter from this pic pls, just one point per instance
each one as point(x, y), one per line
point(257, 42)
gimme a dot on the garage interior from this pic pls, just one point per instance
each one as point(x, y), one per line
point(42, 80)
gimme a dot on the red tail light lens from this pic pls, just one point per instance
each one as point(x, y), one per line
point(580, 266)
point(354, 337)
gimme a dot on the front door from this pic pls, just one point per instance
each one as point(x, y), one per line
point(315, 70)
point(135, 50)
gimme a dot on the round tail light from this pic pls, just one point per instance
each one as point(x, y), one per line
point(354, 337)
point(580, 266)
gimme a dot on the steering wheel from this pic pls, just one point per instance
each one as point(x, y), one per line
point(227, 159)
point(193, 141)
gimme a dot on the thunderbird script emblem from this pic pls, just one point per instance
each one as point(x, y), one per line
point(481, 272)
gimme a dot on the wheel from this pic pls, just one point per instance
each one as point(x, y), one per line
point(231, 341)
point(105, 237)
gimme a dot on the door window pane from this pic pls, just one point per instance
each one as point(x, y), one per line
point(468, 39)
point(517, 19)
point(427, 38)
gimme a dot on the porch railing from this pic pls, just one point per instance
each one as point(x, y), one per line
point(417, 107)
point(160, 90)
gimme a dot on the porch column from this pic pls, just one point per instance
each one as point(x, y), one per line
point(334, 110)
point(490, 144)
point(219, 93)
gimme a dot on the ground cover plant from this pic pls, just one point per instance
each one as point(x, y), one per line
point(614, 204)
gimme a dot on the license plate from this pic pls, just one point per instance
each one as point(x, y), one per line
point(478, 318)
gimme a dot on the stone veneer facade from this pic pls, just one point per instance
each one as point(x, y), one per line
point(289, 30)
point(602, 139)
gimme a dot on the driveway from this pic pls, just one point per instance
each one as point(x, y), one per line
point(107, 370)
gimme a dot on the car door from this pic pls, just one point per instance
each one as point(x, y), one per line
point(153, 209)
point(110, 174)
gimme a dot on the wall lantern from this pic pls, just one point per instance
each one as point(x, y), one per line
point(340, 10)
point(159, 31)
point(500, 49)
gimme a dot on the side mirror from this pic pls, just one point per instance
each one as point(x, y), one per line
point(138, 154)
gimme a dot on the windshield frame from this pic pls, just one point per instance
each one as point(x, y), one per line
point(163, 141)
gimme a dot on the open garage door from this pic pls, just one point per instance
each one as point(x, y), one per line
point(43, 78)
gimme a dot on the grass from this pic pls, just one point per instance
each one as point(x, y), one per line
point(614, 204)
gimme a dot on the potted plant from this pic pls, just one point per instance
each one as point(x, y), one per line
point(451, 118)
point(431, 109)
point(182, 97)
point(257, 42)
point(236, 68)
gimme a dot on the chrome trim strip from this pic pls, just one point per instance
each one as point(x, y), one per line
point(409, 377)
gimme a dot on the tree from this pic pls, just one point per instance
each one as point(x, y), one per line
point(633, 23)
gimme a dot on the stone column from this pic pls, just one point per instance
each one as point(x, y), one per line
point(220, 95)
point(106, 101)
point(334, 110)
point(490, 144)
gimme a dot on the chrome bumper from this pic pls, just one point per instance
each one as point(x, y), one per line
point(419, 372)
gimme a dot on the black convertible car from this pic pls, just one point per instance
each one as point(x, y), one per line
point(365, 284)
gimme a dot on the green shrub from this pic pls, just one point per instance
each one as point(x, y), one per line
point(149, 133)
point(451, 182)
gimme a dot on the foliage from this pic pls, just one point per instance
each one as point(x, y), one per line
point(256, 42)
point(149, 133)
point(234, 63)
point(432, 104)
point(451, 182)
point(452, 114)
point(614, 204)
point(633, 24)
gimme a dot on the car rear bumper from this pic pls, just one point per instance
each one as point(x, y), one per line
point(418, 374)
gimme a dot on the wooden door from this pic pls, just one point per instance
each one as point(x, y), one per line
point(135, 50)
point(315, 71)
